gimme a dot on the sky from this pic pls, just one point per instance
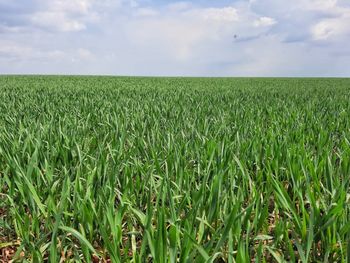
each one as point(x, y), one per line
point(176, 38)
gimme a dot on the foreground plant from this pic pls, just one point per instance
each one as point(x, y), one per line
point(174, 170)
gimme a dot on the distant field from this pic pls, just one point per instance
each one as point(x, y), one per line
point(174, 169)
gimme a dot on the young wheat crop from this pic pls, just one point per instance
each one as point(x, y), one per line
point(174, 169)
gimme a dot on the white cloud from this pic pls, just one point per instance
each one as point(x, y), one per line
point(145, 37)
point(146, 12)
point(70, 15)
point(57, 21)
point(327, 6)
point(10, 29)
point(226, 14)
point(71, 6)
point(11, 51)
point(331, 28)
point(179, 6)
point(264, 21)
point(178, 35)
point(84, 54)
point(337, 26)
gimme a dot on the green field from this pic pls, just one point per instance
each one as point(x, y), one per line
point(174, 169)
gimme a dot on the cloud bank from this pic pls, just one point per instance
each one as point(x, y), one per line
point(167, 38)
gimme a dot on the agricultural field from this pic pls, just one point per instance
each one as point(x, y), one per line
point(122, 169)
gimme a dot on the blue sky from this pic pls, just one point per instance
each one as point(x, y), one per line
point(176, 38)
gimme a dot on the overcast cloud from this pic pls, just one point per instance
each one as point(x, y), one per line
point(153, 37)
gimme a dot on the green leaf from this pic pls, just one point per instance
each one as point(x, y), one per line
point(80, 237)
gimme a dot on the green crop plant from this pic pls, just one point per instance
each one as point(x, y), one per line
point(122, 169)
